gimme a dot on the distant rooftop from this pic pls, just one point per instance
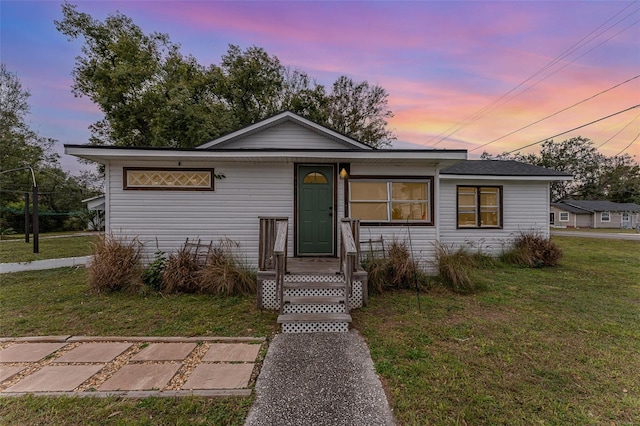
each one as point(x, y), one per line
point(600, 206)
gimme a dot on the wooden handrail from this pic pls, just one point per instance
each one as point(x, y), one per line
point(266, 241)
point(349, 256)
point(280, 254)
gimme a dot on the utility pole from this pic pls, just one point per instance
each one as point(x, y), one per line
point(36, 239)
point(26, 217)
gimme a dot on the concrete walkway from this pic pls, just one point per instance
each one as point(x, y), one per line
point(128, 366)
point(601, 235)
point(38, 265)
point(319, 379)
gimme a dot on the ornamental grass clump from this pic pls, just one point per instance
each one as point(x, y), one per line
point(115, 265)
point(396, 270)
point(456, 268)
point(181, 272)
point(533, 250)
point(226, 273)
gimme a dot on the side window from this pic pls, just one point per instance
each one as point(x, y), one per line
point(479, 206)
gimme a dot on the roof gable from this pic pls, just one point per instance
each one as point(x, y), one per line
point(285, 131)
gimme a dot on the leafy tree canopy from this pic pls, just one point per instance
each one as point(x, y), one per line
point(21, 147)
point(152, 95)
point(595, 176)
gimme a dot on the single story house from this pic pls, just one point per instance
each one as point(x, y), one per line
point(292, 170)
point(594, 214)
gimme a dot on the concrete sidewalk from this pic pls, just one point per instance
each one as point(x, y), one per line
point(128, 366)
point(319, 379)
point(38, 265)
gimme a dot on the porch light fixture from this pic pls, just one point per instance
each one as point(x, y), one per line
point(343, 173)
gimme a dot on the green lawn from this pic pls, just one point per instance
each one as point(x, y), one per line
point(598, 230)
point(553, 346)
point(49, 248)
point(57, 302)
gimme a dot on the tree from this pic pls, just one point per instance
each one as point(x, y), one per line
point(595, 176)
point(251, 84)
point(152, 95)
point(21, 147)
point(620, 179)
point(360, 111)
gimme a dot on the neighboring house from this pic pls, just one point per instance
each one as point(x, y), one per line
point(96, 205)
point(289, 167)
point(594, 214)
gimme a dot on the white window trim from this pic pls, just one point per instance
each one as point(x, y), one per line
point(560, 215)
point(389, 201)
point(608, 219)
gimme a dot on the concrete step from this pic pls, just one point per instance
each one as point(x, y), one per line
point(313, 300)
point(312, 284)
point(289, 318)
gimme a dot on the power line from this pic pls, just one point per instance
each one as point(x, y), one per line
point(575, 128)
point(556, 113)
point(579, 44)
point(619, 131)
point(490, 108)
point(626, 147)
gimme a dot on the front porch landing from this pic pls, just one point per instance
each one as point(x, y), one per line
point(313, 265)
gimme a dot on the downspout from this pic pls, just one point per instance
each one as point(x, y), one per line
point(107, 196)
point(436, 201)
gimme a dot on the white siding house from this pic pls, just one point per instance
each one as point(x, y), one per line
point(287, 166)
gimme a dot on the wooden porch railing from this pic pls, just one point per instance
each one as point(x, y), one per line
point(280, 253)
point(349, 254)
point(268, 231)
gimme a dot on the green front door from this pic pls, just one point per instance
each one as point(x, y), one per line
point(315, 210)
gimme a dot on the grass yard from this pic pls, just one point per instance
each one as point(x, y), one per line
point(598, 230)
point(119, 411)
point(555, 346)
point(57, 302)
point(49, 248)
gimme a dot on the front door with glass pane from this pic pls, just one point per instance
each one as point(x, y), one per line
point(315, 210)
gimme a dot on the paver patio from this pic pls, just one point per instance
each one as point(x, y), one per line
point(56, 378)
point(219, 376)
point(94, 352)
point(141, 377)
point(227, 352)
point(28, 352)
point(8, 372)
point(165, 352)
point(127, 366)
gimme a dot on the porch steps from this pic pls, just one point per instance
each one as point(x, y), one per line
point(315, 304)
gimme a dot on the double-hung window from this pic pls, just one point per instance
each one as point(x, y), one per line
point(605, 216)
point(564, 216)
point(402, 200)
point(479, 206)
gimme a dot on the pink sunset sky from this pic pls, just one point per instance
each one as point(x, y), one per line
point(441, 62)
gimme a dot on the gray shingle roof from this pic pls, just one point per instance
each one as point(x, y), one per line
point(571, 209)
point(602, 205)
point(500, 168)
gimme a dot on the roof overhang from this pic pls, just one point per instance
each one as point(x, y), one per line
point(104, 154)
point(548, 178)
